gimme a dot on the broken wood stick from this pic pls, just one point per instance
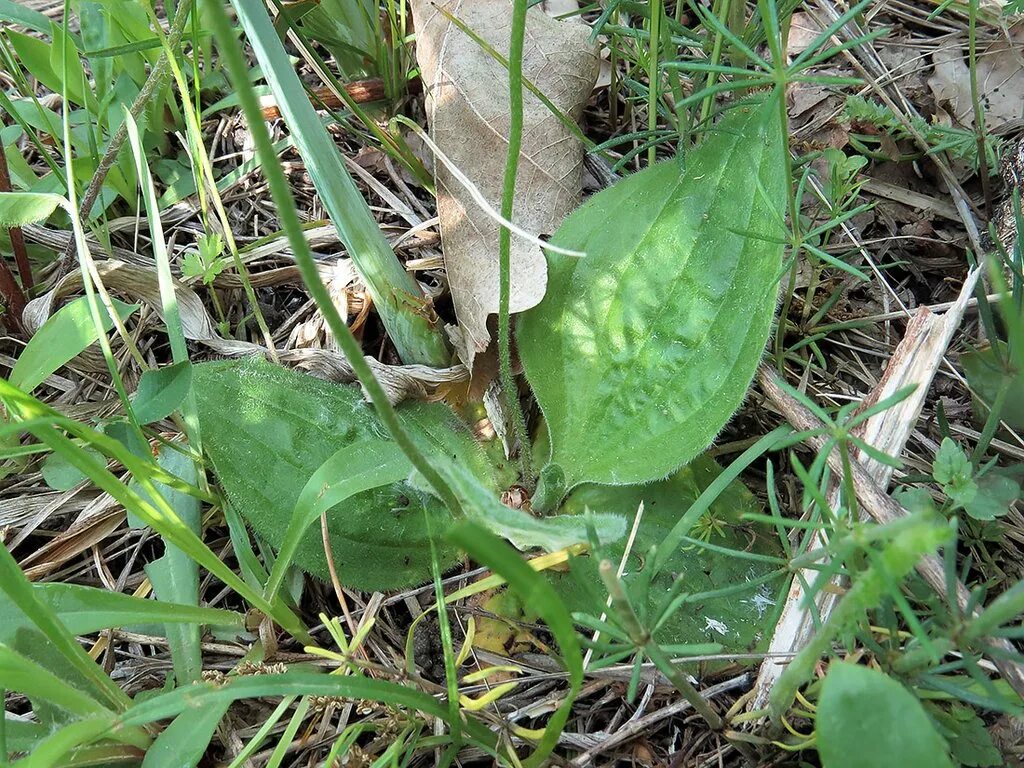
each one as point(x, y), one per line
point(913, 364)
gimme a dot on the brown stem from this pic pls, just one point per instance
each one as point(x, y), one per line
point(17, 238)
point(13, 296)
point(360, 91)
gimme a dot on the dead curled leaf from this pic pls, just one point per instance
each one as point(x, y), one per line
point(468, 110)
point(1000, 71)
point(139, 283)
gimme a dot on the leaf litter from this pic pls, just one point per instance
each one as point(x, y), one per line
point(858, 353)
point(467, 110)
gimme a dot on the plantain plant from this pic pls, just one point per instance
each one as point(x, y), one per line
point(639, 355)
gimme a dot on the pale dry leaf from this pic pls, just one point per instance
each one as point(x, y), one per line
point(1000, 72)
point(138, 283)
point(468, 110)
point(803, 30)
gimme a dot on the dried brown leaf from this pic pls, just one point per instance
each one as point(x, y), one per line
point(139, 283)
point(468, 108)
point(1000, 80)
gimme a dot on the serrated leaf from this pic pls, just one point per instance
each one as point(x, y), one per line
point(20, 208)
point(740, 621)
point(866, 719)
point(267, 430)
point(641, 351)
point(951, 465)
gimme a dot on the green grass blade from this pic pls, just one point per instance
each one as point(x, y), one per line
point(353, 469)
point(20, 591)
point(53, 750)
point(183, 743)
point(23, 675)
point(155, 511)
point(536, 592)
point(720, 483)
point(84, 610)
point(175, 576)
point(68, 331)
point(395, 293)
point(177, 701)
point(515, 143)
point(290, 223)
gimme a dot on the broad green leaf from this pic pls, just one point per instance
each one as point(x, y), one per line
point(17, 13)
point(739, 621)
point(988, 370)
point(43, 422)
point(61, 338)
point(162, 391)
point(60, 474)
point(267, 430)
point(22, 735)
point(995, 493)
point(866, 719)
point(20, 208)
point(641, 351)
point(19, 632)
point(361, 466)
point(64, 61)
point(44, 61)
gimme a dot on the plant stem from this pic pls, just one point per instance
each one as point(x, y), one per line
point(515, 143)
point(722, 7)
point(401, 305)
point(653, 75)
point(979, 111)
point(156, 81)
point(642, 639)
point(231, 54)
